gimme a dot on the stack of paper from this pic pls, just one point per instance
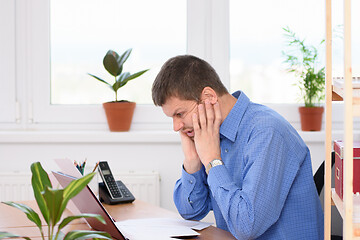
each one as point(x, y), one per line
point(339, 84)
point(160, 228)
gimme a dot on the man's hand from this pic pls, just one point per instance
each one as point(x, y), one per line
point(207, 127)
point(192, 161)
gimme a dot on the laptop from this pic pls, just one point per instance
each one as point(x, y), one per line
point(87, 202)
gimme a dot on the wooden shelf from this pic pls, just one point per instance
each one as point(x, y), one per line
point(336, 90)
point(340, 207)
point(336, 96)
point(338, 93)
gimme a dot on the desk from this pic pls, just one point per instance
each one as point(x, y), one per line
point(14, 221)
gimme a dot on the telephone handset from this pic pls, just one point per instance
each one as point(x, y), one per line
point(111, 191)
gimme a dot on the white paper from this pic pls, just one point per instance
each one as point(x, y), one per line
point(201, 225)
point(155, 232)
point(339, 82)
point(160, 228)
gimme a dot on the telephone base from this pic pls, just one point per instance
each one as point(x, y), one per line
point(105, 197)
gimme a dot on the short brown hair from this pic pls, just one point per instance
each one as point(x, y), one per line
point(185, 77)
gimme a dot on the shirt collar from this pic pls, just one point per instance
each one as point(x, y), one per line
point(228, 128)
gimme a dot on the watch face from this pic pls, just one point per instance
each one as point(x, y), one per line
point(216, 162)
point(213, 163)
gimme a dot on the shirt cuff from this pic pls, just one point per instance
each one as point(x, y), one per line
point(218, 177)
point(194, 180)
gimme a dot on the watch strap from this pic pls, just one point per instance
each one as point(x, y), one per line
point(213, 163)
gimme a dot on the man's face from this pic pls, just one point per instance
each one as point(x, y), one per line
point(181, 112)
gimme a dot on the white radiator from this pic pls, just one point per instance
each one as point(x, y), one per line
point(145, 186)
point(15, 187)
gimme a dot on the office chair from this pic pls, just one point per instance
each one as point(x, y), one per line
point(319, 183)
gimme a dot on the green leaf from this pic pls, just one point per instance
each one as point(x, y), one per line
point(54, 199)
point(123, 76)
point(75, 187)
point(40, 180)
point(10, 235)
point(85, 215)
point(59, 235)
point(99, 79)
point(30, 213)
point(112, 63)
point(116, 86)
point(131, 77)
point(124, 57)
point(135, 75)
point(83, 234)
point(302, 60)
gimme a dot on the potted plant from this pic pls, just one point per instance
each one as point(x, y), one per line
point(119, 113)
point(303, 62)
point(52, 203)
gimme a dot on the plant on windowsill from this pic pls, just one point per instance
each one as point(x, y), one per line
point(119, 113)
point(303, 62)
point(52, 203)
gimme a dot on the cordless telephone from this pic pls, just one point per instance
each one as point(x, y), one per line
point(111, 191)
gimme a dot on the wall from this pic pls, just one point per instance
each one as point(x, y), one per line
point(132, 151)
point(139, 152)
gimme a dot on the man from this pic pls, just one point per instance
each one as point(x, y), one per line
point(242, 160)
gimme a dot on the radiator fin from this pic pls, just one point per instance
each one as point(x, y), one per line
point(144, 185)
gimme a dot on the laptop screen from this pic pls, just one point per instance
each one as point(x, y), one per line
point(87, 202)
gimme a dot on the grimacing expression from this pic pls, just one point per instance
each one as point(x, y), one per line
point(181, 112)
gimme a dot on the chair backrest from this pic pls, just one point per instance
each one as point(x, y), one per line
point(319, 175)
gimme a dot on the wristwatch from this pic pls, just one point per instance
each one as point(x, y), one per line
point(213, 163)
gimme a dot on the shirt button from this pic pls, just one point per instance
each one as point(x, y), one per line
point(191, 202)
point(226, 150)
point(191, 182)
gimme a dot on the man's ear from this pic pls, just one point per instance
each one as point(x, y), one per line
point(209, 94)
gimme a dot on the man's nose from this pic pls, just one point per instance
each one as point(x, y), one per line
point(177, 124)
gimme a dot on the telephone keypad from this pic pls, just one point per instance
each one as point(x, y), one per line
point(114, 189)
point(125, 192)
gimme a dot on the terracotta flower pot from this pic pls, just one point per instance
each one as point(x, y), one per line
point(311, 118)
point(119, 115)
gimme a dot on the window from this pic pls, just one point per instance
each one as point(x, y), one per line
point(338, 39)
point(82, 31)
point(256, 43)
point(50, 46)
point(155, 30)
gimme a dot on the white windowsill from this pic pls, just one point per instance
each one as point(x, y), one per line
point(88, 137)
point(122, 137)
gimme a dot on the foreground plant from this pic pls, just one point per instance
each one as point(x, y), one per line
point(52, 203)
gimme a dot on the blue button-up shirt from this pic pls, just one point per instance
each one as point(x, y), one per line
point(265, 189)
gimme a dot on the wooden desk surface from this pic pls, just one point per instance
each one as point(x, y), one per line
point(14, 221)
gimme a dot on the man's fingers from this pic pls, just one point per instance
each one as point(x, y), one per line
point(183, 136)
point(202, 116)
point(218, 119)
point(209, 114)
point(195, 123)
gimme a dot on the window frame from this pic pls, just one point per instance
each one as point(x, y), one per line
point(46, 115)
point(29, 81)
point(9, 108)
